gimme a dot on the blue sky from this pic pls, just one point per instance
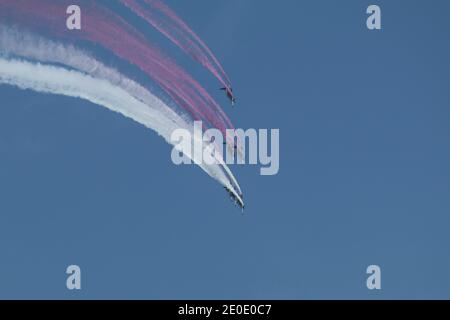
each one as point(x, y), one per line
point(364, 168)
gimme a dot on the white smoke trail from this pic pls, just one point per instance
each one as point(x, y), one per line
point(19, 43)
point(57, 80)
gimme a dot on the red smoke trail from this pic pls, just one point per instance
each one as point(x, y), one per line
point(161, 17)
point(103, 27)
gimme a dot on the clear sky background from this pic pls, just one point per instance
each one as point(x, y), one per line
point(364, 174)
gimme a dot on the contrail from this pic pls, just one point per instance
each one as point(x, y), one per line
point(103, 27)
point(32, 62)
point(60, 81)
point(166, 21)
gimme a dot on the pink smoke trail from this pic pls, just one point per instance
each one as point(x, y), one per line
point(105, 28)
point(161, 17)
